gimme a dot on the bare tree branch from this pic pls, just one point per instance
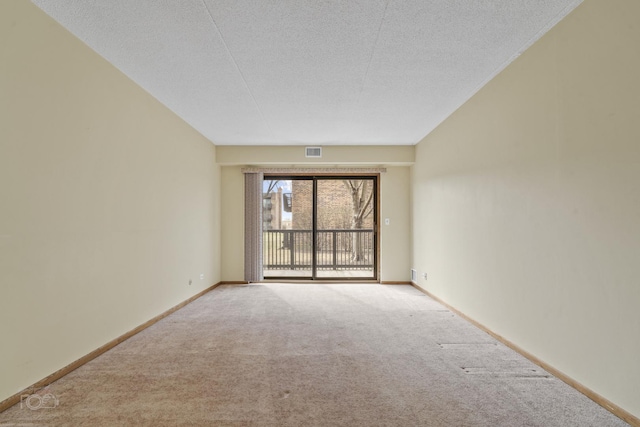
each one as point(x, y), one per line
point(272, 185)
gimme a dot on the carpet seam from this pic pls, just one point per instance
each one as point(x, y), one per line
point(595, 397)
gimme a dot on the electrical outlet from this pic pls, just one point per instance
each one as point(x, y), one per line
point(424, 275)
point(387, 221)
point(189, 282)
point(202, 276)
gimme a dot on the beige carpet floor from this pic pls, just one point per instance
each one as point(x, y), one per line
point(312, 355)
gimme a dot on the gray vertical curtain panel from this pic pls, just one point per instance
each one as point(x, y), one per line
point(253, 226)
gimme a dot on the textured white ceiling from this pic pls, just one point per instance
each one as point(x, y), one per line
point(310, 71)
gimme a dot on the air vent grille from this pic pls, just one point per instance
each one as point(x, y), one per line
point(313, 152)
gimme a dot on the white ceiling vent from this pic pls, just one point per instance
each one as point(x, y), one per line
point(313, 152)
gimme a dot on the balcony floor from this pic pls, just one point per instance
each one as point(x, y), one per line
point(322, 274)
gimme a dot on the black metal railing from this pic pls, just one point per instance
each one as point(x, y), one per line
point(335, 249)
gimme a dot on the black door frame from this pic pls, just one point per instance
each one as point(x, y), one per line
point(314, 232)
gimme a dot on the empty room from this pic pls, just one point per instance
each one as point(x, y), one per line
point(280, 213)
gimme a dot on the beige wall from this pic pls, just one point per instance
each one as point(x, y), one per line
point(394, 238)
point(109, 202)
point(345, 156)
point(526, 203)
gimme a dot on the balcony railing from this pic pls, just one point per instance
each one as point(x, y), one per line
point(335, 249)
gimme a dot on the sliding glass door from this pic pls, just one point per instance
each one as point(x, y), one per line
point(287, 227)
point(320, 227)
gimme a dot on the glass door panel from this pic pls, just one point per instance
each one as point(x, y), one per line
point(287, 227)
point(345, 221)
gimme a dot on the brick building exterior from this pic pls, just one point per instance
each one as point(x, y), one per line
point(335, 209)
